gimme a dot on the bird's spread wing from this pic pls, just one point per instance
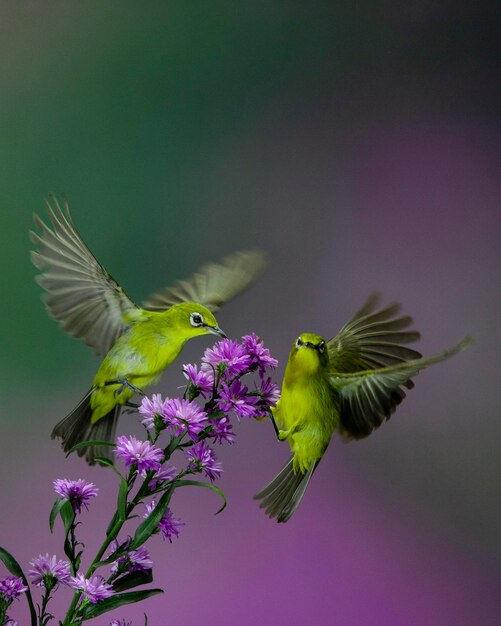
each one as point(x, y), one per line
point(80, 293)
point(213, 284)
point(368, 398)
point(373, 338)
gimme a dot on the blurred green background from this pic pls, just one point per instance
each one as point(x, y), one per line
point(357, 145)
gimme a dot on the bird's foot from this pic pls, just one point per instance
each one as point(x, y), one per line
point(275, 427)
point(130, 407)
point(283, 434)
point(124, 384)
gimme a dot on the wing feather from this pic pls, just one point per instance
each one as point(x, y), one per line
point(374, 337)
point(368, 398)
point(213, 284)
point(79, 292)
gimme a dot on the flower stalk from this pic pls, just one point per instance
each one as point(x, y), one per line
point(150, 481)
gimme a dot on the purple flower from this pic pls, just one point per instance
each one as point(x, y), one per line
point(118, 547)
point(150, 408)
point(78, 492)
point(180, 414)
point(202, 380)
point(166, 473)
point(228, 354)
point(11, 588)
point(202, 458)
point(143, 454)
point(222, 430)
point(47, 571)
point(118, 622)
point(95, 588)
point(270, 392)
point(269, 396)
point(134, 561)
point(140, 560)
point(234, 397)
point(261, 357)
point(168, 526)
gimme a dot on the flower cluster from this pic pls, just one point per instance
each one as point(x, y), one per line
point(218, 378)
point(214, 393)
point(218, 383)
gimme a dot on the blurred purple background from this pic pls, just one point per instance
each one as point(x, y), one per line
point(360, 149)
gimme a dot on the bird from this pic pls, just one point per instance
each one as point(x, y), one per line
point(348, 385)
point(137, 342)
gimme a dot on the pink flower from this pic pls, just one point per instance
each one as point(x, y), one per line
point(202, 458)
point(143, 454)
point(95, 588)
point(78, 492)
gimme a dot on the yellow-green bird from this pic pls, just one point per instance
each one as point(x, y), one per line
point(349, 385)
point(138, 343)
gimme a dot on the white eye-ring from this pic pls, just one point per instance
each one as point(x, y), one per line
point(299, 342)
point(196, 319)
point(321, 347)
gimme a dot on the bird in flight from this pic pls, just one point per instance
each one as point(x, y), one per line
point(349, 385)
point(137, 342)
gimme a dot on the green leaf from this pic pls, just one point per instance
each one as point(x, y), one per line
point(105, 462)
point(67, 515)
point(109, 604)
point(11, 564)
point(185, 483)
point(150, 524)
point(14, 568)
point(87, 444)
point(56, 508)
point(78, 559)
point(134, 579)
point(122, 500)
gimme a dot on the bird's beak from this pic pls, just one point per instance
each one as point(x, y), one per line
point(215, 330)
point(313, 346)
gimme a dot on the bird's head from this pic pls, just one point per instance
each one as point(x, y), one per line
point(310, 352)
point(192, 319)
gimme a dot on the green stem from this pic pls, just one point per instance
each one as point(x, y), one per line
point(45, 601)
point(3, 611)
point(73, 544)
point(113, 533)
point(111, 536)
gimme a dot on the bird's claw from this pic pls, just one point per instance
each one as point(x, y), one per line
point(124, 384)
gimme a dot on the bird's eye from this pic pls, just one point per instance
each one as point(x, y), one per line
point(299, 342)
point(196, 319)
point(321, 347)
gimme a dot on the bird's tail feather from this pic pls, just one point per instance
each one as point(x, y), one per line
point(77, 427)
point(281, 497)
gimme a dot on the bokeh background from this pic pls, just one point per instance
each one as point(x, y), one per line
point(357, 144)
